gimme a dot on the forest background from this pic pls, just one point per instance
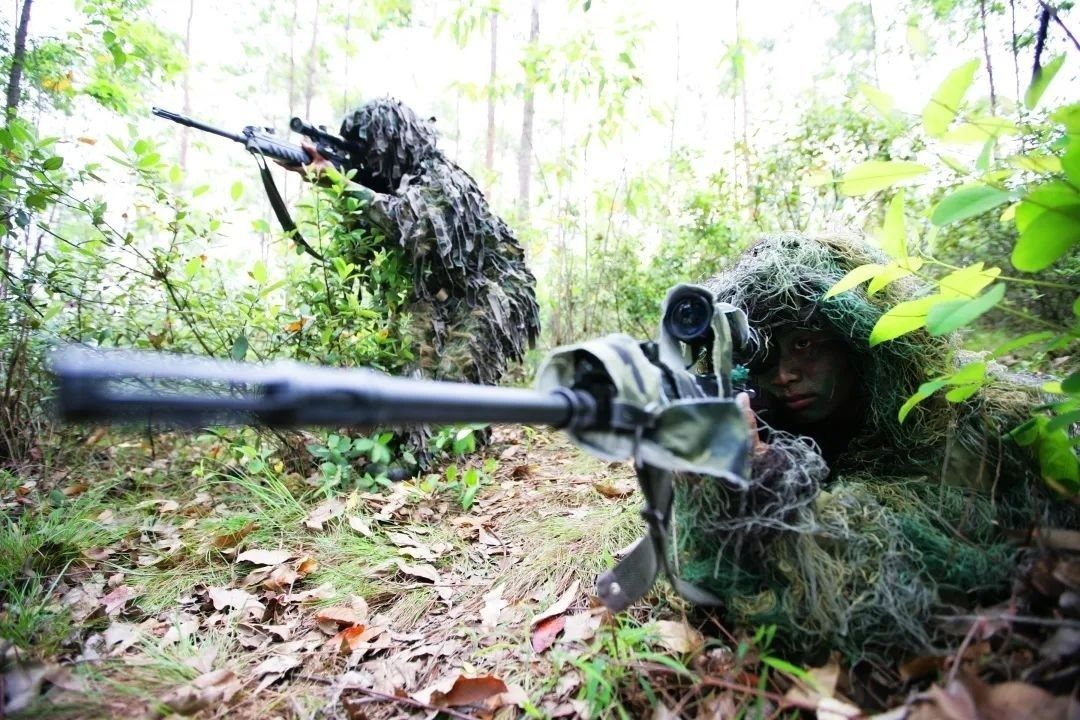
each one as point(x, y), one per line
point(630, 145)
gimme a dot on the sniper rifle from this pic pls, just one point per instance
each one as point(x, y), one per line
point(263, 142)
point(667, 403)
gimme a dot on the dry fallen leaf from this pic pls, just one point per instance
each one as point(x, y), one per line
point(493, 607)
point(615, 488)
point(231, 540)
point(342, 615)
point(582, 626)
point(224, 598)
point(323, 512)
point(361, 526)
point(214, 687)
point(546, 631)
point(264, 557)
point(678, 636)
point(276, 665)
point(422, 571)
point(969, 698)
point(118, 598)
point(469, 691)
point(560, 605)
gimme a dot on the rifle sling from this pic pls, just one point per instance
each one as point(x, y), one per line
point(280, 210)
point(635, 574)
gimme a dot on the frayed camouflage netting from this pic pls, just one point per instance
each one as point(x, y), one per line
point(474, 307)
point(907, 524)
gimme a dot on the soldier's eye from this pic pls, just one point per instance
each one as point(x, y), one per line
point(802, 343)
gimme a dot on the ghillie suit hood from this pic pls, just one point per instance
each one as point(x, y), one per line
point(474, 306)
point(395, 142)
point(857, 557)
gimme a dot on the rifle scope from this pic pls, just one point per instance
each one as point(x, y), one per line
point(689, 316)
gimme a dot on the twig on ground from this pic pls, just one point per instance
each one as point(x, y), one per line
point(387, 696)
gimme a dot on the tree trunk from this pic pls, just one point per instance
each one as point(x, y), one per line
point(674, 102)
point(185, 131)
point(18, 54)
point(489, 156)
point(292, 60)
point(528, 115)
point(312, 54)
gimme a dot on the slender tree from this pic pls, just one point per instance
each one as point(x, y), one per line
point(489, 155)
point(312, 61)
point(528, 115)
point(185, 131)
point(18, 56)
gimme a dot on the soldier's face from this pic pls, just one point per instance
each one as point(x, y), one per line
point(809, 375)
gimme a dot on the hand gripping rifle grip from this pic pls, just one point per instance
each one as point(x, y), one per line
point(263, 143)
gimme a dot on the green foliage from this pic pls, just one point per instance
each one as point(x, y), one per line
point(340, 456)
point(1043, 183)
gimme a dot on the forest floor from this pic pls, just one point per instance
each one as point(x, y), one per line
point(148, 583)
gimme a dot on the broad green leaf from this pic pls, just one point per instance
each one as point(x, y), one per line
point(917, 40)
point(945, 102)
point(258, 272)
point(877, 175)
point(1047, 238)
point(902, 319)
point(1063, 421)
point(1008, 214)
point(1058, 463)
point(1024, 341)
point(1071, 384)
point(1041, 81)
point(925, 390)
point(1053, 387)
point(952, 315)
point(878, 99)
point(982, 163)
point(199, 190)
point(1069, 116)
point(149, 160)
point(854, 278)
point(893, 235)
point(962, 393)
point(966, 202)
point(967, 282)
point(1054, 194)
point(192, 267)
point(1045, 164)
point(1070, 161)
point(237, 190)
point(239, 347)
point(973, 372)
point(964, 134)
point(893, 272)
point(260, 225)
point(52, 163)
point(175, 174)
point(1027, 432)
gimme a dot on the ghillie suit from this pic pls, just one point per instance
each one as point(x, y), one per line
point(859, 556)
point(473, 303)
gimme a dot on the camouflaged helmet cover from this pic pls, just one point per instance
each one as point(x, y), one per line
point(395, 140)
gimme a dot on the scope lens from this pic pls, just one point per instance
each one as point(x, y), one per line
point(688, 318)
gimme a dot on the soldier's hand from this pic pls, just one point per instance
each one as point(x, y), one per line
point(315, 169)
point(758, 447)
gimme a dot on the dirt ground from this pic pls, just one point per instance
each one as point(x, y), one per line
point(157, 581)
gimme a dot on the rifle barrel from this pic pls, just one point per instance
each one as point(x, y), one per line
point(138, 386)
point(184, 120)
